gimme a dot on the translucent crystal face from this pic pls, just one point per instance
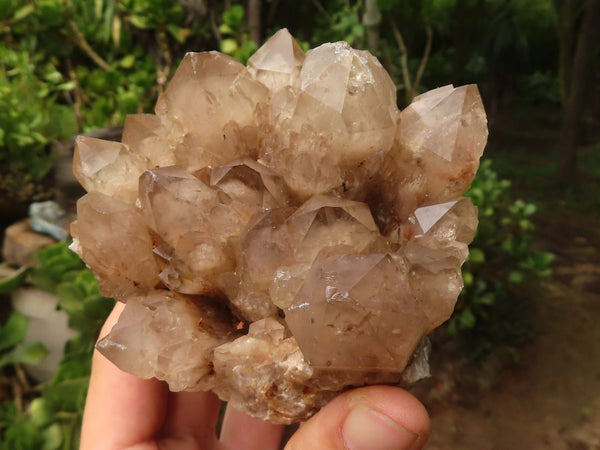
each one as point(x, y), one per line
point(208, 109)
point(277, 64)
point(347, 93)
point(108, 167)
point(174, 340)
point(358, 302)
point(145, 135)
point(281, 232)
point(123, 265)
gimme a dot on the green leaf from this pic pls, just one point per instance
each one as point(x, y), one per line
point(486, 299)
point(64, 121)
point(304, 45)
point(53, 437)
point(70, 297)
point(55, 262)
point(180, 34)
point(53, 75)
point(98, 7)
point(22, 435)
point(23, 12)
point(245, 51)
point(467, 279)
point(234, 16)
point(452, 327)
point(476, 195)
point(466, 319)
point(68, 395)
point(41, 415)
point(127, 62)
point(76, 348)
point(516, 277)
point(116, 31)
point(98, 307)
point(87, 282)
point(508, 244)
point(50, 12)
point(140, 22)
point(228, 46)
point(529, 209)
point(8, 413)
point(67, 86)
point(27, 353)
point(11, 279)
point(128, 101)
point(225, 29)
point(358, 30)
point(70, 370)
point(13, 331)
point(543, 260)
point(526, 225)
point(476, 256)
point(42, 280)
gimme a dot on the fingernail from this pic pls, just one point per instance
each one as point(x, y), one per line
point(367, 429)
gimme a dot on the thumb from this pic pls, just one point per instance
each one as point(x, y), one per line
point(368, 418)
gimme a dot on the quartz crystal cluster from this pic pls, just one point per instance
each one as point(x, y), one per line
point(281, 232)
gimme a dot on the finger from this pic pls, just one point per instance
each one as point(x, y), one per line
point(242, 431)
point(373, 417)
point(131, 408)
point(191, 417)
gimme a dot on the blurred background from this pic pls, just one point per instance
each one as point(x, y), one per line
point(518, 364)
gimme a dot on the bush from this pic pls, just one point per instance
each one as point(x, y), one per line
point(73, 66)
point(53, 419)
point(502, 260)
point(30, 118)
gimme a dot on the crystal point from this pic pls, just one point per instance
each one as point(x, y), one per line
point(123, 266)
point(207, 108)
point(277, 63)
point(108, 167)
point(362, 306)
point(145, 135)
point(428, 216)
point(169, 337)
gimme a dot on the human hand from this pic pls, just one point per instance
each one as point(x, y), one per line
point(125, 412)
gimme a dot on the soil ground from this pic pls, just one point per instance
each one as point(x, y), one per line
point(551, 398)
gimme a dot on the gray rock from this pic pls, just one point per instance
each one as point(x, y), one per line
point(49, 218)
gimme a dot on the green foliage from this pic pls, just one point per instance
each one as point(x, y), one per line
point(53, 420)
point(19, 432)
point(502, 259)
point(10, 279)
point(13, 349)
point(345, 24)
point(57, 264)
point(236, 42)
point(30, 118)
point(13, 331)
point(68, 66)
point(24, 353)
point(540, 87)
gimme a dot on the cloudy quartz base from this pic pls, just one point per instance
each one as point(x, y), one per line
point(281, 232)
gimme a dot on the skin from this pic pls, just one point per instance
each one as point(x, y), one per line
point(125, 412)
